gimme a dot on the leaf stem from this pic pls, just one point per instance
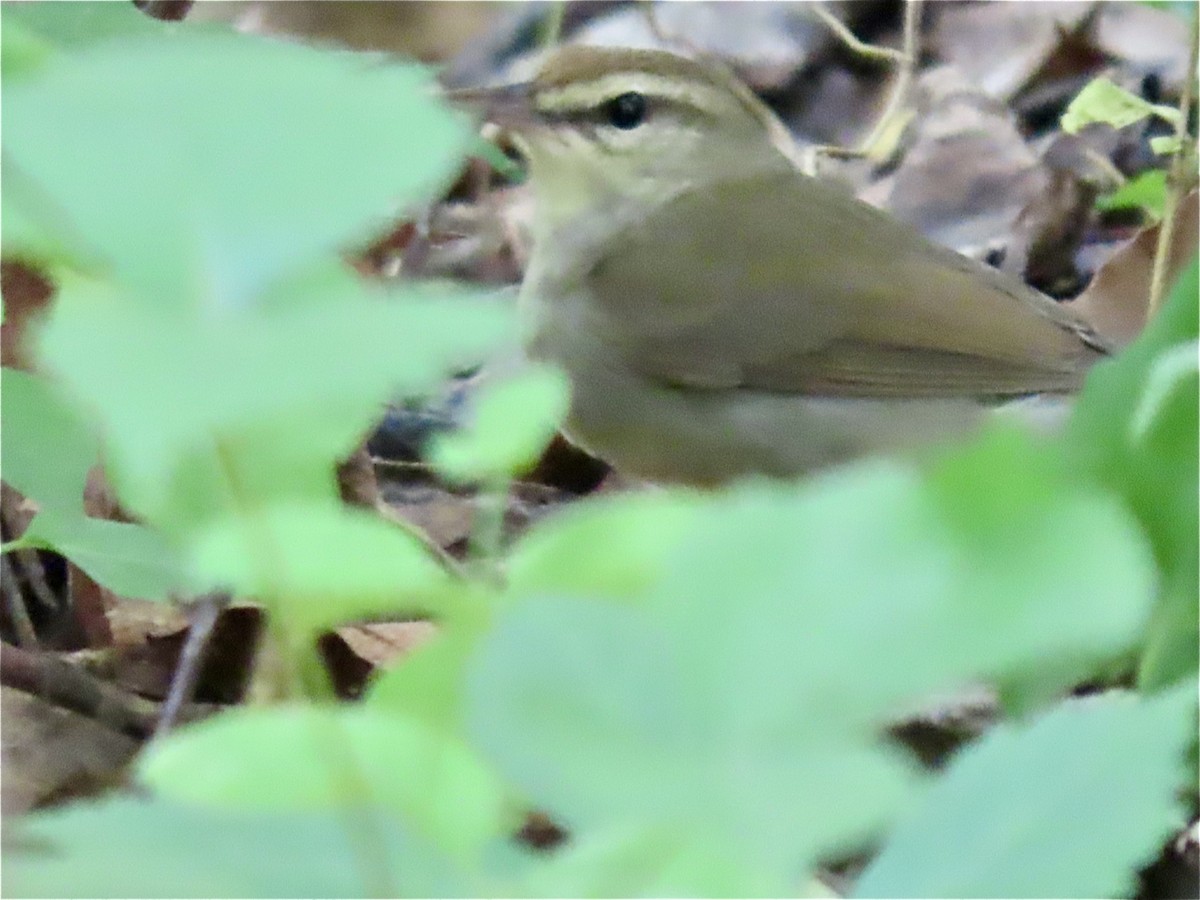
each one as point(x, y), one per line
point(553, 25)
point(1177, 178)
point(487, 529)
point(905, 72)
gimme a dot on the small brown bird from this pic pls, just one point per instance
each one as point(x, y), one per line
point(720, 313)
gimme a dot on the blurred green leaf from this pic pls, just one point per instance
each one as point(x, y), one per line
point(21, 50)
point(1103, 101)
point(124, 847)
point(281, 393)
point(1070, 805)
point(1147, 190)
point(646, 862)
point(787, 627)
point(320, 565)
point(514, 419)
point(428, 683)
point(130, 560)
point(611, 546)
point(77, 25)
point(494, 156)
point(1164, 144)
point(1174, 370)
point(205, 165)
point(1154, 471)
point(301, 758)
point(48, 447)
point(35, 228)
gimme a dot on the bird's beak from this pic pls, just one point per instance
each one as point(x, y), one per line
point(510, 106)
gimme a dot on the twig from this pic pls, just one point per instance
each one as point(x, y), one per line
point(1176, 185)
point(35, 574)
point(847, 37)
point(62, 684)
point(203, 616)
point(22, 624)
point(906, 69)
point(906, 61)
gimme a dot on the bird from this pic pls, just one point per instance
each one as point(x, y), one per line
point(722, 314)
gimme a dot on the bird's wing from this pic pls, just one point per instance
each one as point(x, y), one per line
point(806, 289)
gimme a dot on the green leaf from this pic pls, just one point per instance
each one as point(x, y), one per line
point(1173, 370)
point(321, 565)
point(217, 162)
point(492, 154)
point(298, 758)
point(48, 447)
point(429, 682)
point(787, 627)
point(1103, 101)
point(1153, 471)
point(35, 228)
point(81, 24)
point(125, 847)
point(610, 545)
point(1164, 144)
point(282, 392)
point(1147, 190)
point(130, 560)
point(514, 419)
point(1070, 805)
point(646, 862)
point(21, 50)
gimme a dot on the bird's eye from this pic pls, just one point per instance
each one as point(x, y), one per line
point(627, 110)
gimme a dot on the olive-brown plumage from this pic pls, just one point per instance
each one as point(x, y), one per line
point(720, 313)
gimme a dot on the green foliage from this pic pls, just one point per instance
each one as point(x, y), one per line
point(186, 200)
point(1102, 101)
point(514, 420)
point(1108, 811)
point(296, 758)
point(429, 685)
point(48, 447)
point(124, 848)
point(731, 688)
point(63, 28)
point(324, 564)
point(697, 686)
point(1147, 190)
point(261, 399)
point(130, 560)
point(1139, 438)
point(613, 546)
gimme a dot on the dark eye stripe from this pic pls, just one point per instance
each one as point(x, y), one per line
point(625, 111)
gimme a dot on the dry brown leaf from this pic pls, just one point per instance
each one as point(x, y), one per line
point(1000, 46)
point(968, 172)
point(383, 643)
point(427, 31)
point(51, 753)
point(1116, 301)
point(27, 295)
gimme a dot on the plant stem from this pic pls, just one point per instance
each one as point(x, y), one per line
point(847, 37)
point(906, 61)
point(553, 25)
point(905, 72)
point(487, 529)
point(1176, 179)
